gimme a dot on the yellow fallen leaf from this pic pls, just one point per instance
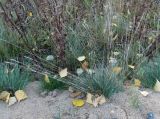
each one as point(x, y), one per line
point(63, 73)
point(115, 37)
point(102, 100)
point(20, 95)
point(139, 55)
point(95, 100)
point(4, 95)
point(137, 82)
point(81, 58)
point(131, 66)
point(85, 65)
point(89, 98)
point(99, 101)
point(129, 13)
point(117, 70)
point(78, 102)
point(157, 86)
point(46, 79)
point(144, 93)
point(113, 24)
point(12, 100)
point(30, 14)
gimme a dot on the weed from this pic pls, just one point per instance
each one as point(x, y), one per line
point(13, 79)
point(104, 82)
point(134, 99)
point(53, 84)
point(149, 72)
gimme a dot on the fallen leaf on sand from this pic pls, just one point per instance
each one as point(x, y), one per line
point(46, 78)
point(4, 95)
point(63, 73)
point(81, 58)
point(78, 102)
point(89, 98)
point(144, 93)
point(20, 95)
point(102, 100)
point(95, 100)
point(137, 82)
point(12, 100)
point(117, 70)
point(157, 86)
point(99, 101)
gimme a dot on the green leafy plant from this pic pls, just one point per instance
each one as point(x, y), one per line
point(13, 80)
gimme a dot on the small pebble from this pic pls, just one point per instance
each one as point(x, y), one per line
point(53, 93)
point(75, 94)
point(43, 94)
point(71, 89)
point(82, 96)
point(150, 115)
point(50, 58)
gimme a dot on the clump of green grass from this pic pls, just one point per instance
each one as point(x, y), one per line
point(8, 40)
point(149, 72)
point(53, 84)
point(104, 82)
point(134, 98)
point(13, 79)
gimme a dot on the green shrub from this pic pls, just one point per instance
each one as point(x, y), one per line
point(13, 80)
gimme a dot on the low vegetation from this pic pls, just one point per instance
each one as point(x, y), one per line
point(13, 79)
point(117, 38)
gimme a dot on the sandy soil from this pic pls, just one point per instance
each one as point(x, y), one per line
point(53, 107)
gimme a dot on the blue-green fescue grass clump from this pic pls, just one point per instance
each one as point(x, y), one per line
point(8, 40)
point(103, 81)
point(14, 79)
point(149, 72)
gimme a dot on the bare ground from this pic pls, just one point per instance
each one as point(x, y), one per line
point(121, 106)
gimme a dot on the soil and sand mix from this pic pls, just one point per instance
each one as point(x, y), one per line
point(59, 106)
